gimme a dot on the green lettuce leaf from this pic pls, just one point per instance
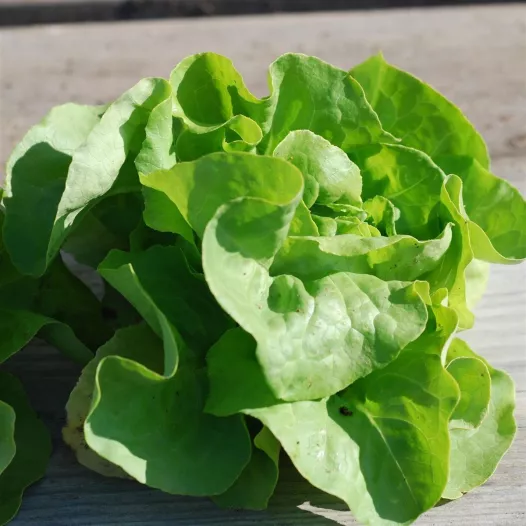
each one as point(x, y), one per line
point(496, 210)
point(413, 111)
point(163, 439)
point(33, 447)
point(330, 177)
point(36, 175)
point(409, 179)
point(57, 306)
point(315, 337)
point(256, 484)
point(476, 450)
point(354, 445)
point(100, 162)
point(7, 435)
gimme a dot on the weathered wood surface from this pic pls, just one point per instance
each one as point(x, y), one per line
point(476, 56)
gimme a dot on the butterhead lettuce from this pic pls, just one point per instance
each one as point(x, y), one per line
point(286, 275)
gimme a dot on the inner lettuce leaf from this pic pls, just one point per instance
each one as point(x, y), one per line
point(284, 275)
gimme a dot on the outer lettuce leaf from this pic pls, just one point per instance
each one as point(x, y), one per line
point(222, 93)
point(354, 445)
point(451, 274)
point(163, 439)
point(7, 435)
point(477, 275)
point(100, 162)
point(309, 94)
point(57, 307)
point(253, 489)
point(33, 448)
point(476, 451)
point(161, 285)
point(496, 209)
point(306, 94)
point(473, 379)
point(412, 110)
point(36, 175)
point(79, 403)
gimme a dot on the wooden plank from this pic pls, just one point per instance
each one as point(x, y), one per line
point(475, 56)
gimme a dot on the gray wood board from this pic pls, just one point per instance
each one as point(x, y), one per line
point(475, 56)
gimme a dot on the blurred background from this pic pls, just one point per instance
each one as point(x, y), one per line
point(22, 12)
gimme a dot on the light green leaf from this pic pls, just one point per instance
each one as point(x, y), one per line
point(238, 134)
point(158, 148)
point(496, 209)
point(382, 445)
point(412, 110)
point(330, 177)
point(102, 165)
point(303, 223)
point(315, 337)
point(473, 379)
point(309, 94)
point(327, 226)
point(451, 274)
point(396, 257)
point(153, 427)
point(476, 275)
point(475, 453)
point(36, 176)
point(383, 214)
point(200, 187)
point(33, 449)
point(208, 92)
point(409, 179)
point(129, 343)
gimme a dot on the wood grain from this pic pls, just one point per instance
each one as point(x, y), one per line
point(473, 55)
